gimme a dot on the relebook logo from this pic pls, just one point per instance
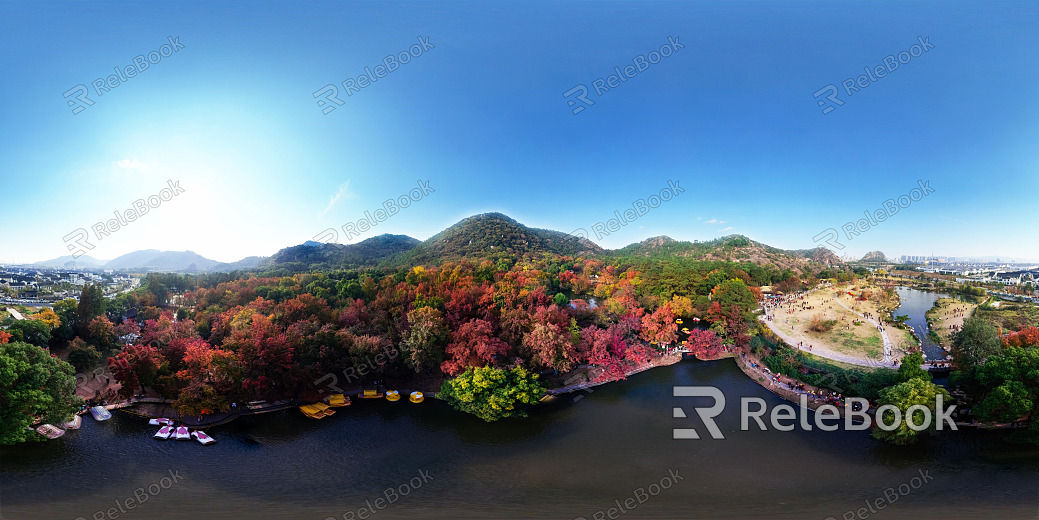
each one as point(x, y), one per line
point(785, 417)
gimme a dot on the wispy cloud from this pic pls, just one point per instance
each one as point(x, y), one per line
point(728, 228)
point(130, 164)
point(714, 221)
point(341, 193)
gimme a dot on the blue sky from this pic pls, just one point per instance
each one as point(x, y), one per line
point(481, 116)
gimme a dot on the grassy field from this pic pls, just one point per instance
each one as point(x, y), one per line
point(946, 312)
point(849, 334)
point(848, 342)
point(1010, 316)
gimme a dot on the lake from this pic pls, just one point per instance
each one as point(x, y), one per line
point(571, 458)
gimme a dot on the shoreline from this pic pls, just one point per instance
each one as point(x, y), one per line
point(761, 375)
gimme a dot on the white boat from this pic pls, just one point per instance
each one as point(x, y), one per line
point(202, 438)
point(50, 431)
point(164, 432)
point(75, 423)
point(162, 421)
point(100, 413)
point(181, 434)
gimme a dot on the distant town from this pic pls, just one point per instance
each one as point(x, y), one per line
point(43, 286)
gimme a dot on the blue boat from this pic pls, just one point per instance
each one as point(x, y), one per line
point(100, 413)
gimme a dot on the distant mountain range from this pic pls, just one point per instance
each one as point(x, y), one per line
point(486, 236)
point(152, 260)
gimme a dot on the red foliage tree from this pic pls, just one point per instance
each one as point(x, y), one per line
point(265, 357)
point(704, 344)
point(736, 327)
point(135, 366)
point(1026, 337)
point(473, 345)
point(660, 327)
point(550, 347)
point(607, 350)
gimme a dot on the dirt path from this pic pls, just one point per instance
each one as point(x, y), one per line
point(830, 354)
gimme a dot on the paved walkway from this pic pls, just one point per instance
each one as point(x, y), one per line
point(853, 360)
point(162, 408)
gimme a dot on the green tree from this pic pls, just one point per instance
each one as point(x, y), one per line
point(66, 311)
point(30, 331)
point(903, 396)
point(1010, 385)
point(974, 343)
point(911, 369)
point(734, 291)
point(82, 356)
point(91, 305)
point(34, 386)
point(561, 300)
point(493, 393)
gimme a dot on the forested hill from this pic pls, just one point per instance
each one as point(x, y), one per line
point(732, 248)
point(315, 256)
point(493, 235)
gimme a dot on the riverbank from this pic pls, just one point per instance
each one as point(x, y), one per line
point(946, 318)
point(787, 387)
point(660, 361)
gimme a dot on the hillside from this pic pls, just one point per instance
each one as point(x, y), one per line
point(249, 262)
point(84, 261)
point(732, 248)
point(155, 260)
point(492, 235)
point(485, 236)
point(820, 254)
point(874, 256)
point(315, 255)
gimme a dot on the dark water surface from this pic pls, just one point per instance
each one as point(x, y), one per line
point(916, 303)
point(568, 459)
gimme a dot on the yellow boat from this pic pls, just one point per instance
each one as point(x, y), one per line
point(370, 394)
point(392, 395)
point(316, 410)
point(679, 321)
point(337, 400)
point(416, 397)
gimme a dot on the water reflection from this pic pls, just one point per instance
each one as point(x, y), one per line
point(568, 459)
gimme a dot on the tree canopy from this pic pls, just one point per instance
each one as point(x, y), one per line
point(34, 386)
point(493, 393)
